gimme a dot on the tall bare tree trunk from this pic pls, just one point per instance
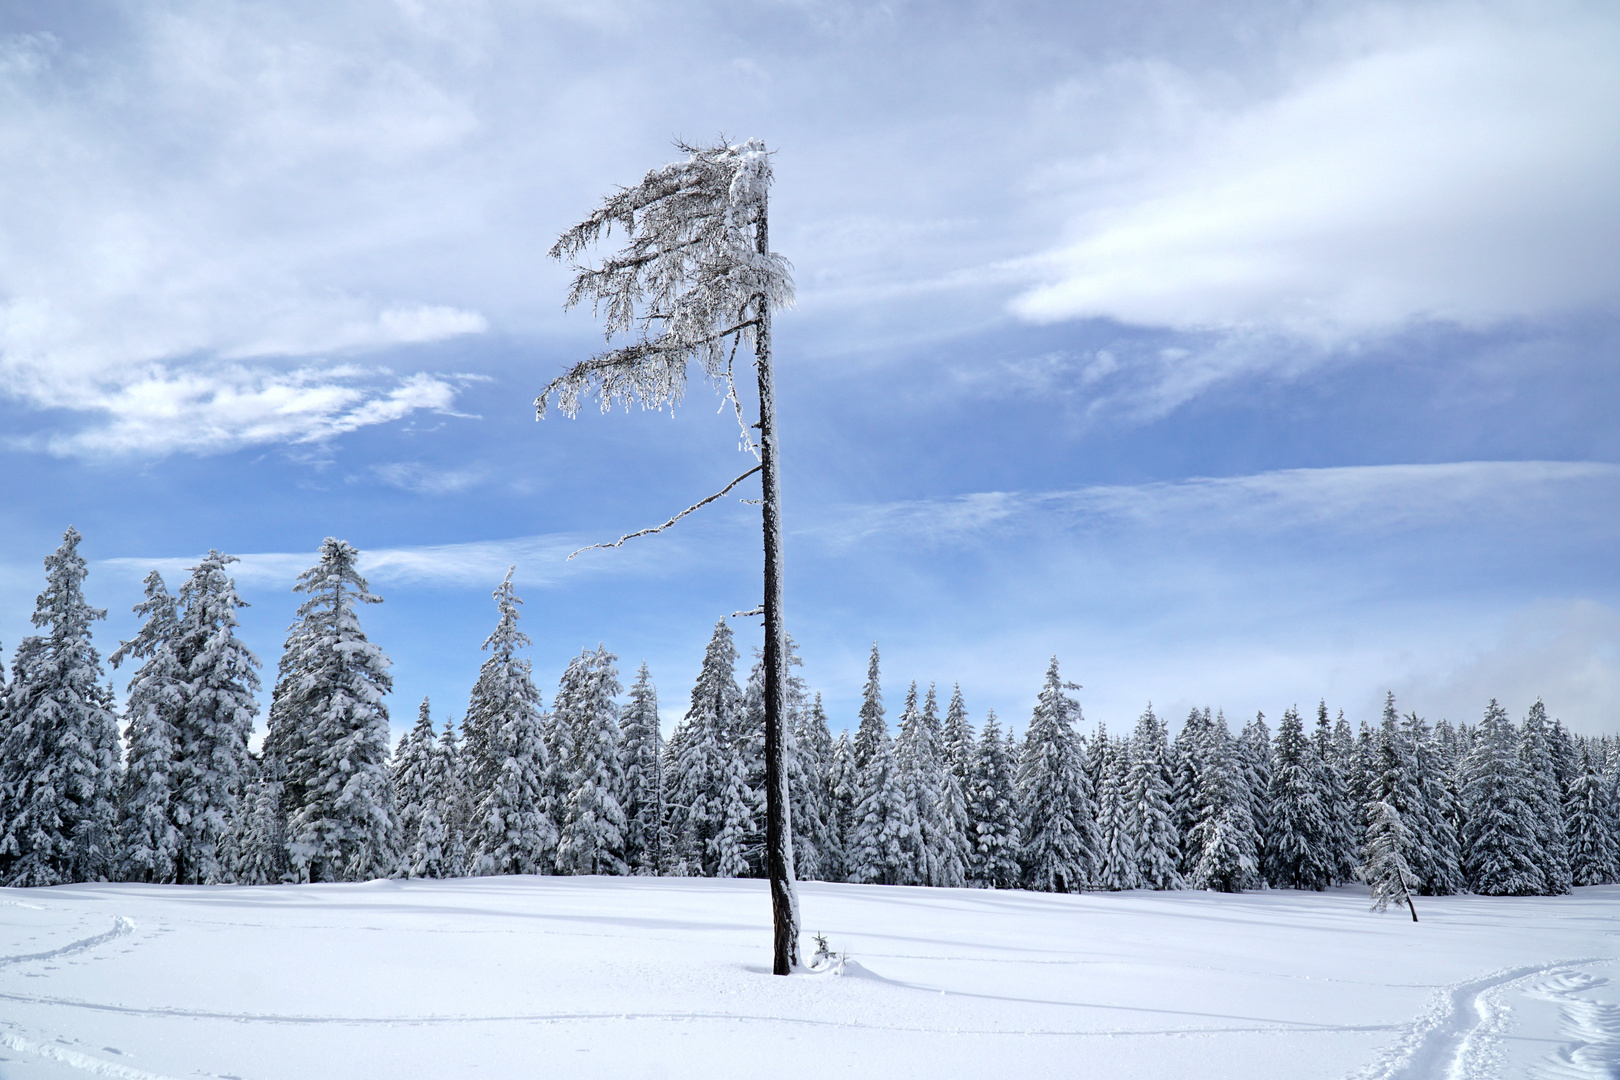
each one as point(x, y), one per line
point(778, 835)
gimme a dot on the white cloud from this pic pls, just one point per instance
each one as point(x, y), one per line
point(1454, 163)
point(427, 480)
point(1360, 500)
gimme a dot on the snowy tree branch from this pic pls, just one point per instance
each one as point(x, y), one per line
point(660, 528)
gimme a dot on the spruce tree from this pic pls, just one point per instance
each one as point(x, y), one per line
point(843, 786)
point(1223, 839)
point(873, 728)
point(1147, 789)
point(883, 841)
point(1499, 834)
point(421, 805)
point(1384, 867)
point(593, 828)
point(711, 807)
point(149, 838)
point(506, 770)
point(1254, 752)
point(992, 808)
point(936, 852)
point(643, 777)
point(1060, 817)
point(59, 750)
point(333, 747)
point(1340, 839)
point(1187, 762)
point(1117, 858)
point(1538, 757)
point(817, 853)
point(1589, 815)
point(1298, 843)
point(222, 680)
point(1440, 873)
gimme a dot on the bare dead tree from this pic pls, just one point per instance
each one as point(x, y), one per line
point(695, 280)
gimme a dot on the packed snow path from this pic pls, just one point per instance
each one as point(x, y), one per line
point(594, 977)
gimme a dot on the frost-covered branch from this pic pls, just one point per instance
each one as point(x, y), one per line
point(688, 282)
point(660, 528)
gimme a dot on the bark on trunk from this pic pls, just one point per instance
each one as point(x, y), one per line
point(778, 834)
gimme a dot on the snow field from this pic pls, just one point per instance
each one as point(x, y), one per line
point(647, 977)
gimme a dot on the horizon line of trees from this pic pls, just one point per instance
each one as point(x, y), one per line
point(591, 787)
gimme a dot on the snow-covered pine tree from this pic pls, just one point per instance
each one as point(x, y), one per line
point(212, 760)
point(843, 787)
point(511, 830)
point(1254, 746)
point(1499, 836)
point(1187, 768)
point(592, 835)
point(882, 845)
point(1059, 826)
point(1117, 861)
point(458, 803)
point(59, 767)
point(643, 777)
point(1391, 778)
point(334, 761)
point(1383, 865)
point(816, 851)
point(749, 739)
point(711, 808)
point(1539, 760)
point(936, 851)
point(259, 846)
point(419, 774)
point(1298, 842)
point(1440, 873)
point(696, 274)
point(149, 840)
point(1224, 836)
point(874, 729)
point(956, 740)
point(1589, 815)
point(992, 808)
point(1147, 792)
point(1342, 845)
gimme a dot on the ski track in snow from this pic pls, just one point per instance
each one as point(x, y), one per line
point(1458, 1036)
point(122, 926)
point(1592, 1028)
point(75, 1059)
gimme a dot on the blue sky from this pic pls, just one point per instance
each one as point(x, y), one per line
point(1239, 357)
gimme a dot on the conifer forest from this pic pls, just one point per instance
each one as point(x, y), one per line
point(166, 788)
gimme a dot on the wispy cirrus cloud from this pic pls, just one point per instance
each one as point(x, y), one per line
point(1358, 500)
point(1451, 162)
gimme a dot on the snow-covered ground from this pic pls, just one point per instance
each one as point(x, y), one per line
point(616, 977)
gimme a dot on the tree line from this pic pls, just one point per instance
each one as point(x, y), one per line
point(170, 791)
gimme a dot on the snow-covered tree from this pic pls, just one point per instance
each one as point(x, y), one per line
point(1383, 865)
point(1339, 838)
point(643, 777)
point(149, 839)
point(1538, 757)
point(1254, 756)
point(59, 750)
point(1059, 812)
point(817, 853)
point(512, 830)
point(843, 789)
point(873, 729)
point(1589, 818)
point(695, 280)
point(1298, 843)
point(1499, 835)
point(1223, 839)
point(1187, 767)
point(593, 827)
point(421, 776)
point(222, 681)
point(710, 805)
point(1147, 792)
point(1117, 842)
point(992, 809)
point(329, 736)
point(937, 847)
point(883, 841)
point(259, 844)
point(1440, 871)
